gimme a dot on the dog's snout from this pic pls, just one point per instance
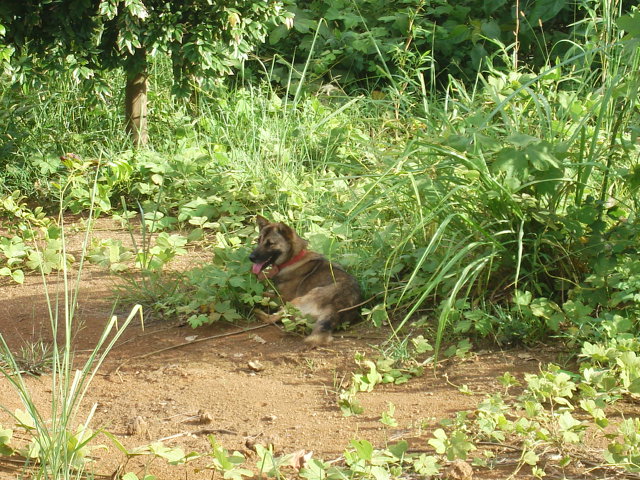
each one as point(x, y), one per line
point(253, 256)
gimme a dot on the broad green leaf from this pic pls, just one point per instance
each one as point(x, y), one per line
point(399, 449)
point(522, 298)
point(174, 456)
point(364, 449)
point(439, 442)
point(24, 420)
point(634, 386)
point(511, 161)
point(540, 156)
point(630, 24)
point(314, 470)
point(490, 6)
point(426, 465)
point(5, 438)
point(522, 139)
point(421, 345)
point(530, 457)
point(491, 29)
point(460, 446)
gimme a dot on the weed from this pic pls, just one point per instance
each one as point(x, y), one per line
point(58, 445)
point(34, 357)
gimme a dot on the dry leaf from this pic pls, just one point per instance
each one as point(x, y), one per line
point(256, 366)
point(300, 458)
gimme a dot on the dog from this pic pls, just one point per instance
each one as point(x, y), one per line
point(318, 288)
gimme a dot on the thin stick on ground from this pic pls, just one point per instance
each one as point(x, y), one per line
point(180, 345)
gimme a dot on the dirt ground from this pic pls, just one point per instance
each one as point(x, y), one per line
point(181, 395)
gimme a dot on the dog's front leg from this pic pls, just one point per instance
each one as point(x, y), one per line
point(268, 318)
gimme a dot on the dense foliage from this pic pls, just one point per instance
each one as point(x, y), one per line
point(373, 43)
point(89, 38)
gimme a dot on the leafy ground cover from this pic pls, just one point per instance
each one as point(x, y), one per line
point(170, 403)
point(260, 387)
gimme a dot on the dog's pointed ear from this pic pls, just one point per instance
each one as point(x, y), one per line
point(285, 230)
point(261, 221)
point(290, 234)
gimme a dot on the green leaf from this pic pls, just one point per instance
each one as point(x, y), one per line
point(174, 456)
point(421, 345)
point(364, 449)
point(387, 417)
point(522, 298)
point(266, 462)
point(314, 470)
point(540, 156)
point(24, 420)
point(277, 34)
point(567, 422)
point(512, 162)
point(427, 465)
point(491, 29)
point(634, 386)
point(630, 24)
point(439, 442)
point(399, 449)
point(349, 404)
point(530, 458)
point(543, 307)
point(522, 139)
point(5, 438)
point(544, 10)
point(379, 315)
point(490, 6)
point(460, 446)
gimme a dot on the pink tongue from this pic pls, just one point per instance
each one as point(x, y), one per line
point(257, 268)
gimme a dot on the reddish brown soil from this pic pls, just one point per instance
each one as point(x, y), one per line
point(185, 393)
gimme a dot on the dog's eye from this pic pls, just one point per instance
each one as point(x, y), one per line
point(268, 243)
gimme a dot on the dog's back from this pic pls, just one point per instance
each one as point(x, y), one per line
point(324, 283)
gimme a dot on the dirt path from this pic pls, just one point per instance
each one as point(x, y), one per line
point(184, 394)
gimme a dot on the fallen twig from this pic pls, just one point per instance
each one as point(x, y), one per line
point(180, 345)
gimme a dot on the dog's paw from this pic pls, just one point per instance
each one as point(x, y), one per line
point(265, 317)
point(318, 339)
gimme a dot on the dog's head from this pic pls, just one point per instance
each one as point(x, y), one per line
point(277, 244)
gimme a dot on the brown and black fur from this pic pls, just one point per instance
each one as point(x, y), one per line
point(314, 285)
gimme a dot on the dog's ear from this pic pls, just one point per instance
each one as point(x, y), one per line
point(285, 230)
point(261, 221)
point(292, 236)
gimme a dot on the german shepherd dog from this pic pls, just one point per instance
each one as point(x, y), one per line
point(307, 280)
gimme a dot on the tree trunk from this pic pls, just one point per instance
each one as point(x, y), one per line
point(135, 99)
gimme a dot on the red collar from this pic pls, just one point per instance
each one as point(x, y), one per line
point(295, 259)
point(273, 270)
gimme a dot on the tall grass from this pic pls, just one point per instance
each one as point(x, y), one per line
point(59, 439)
